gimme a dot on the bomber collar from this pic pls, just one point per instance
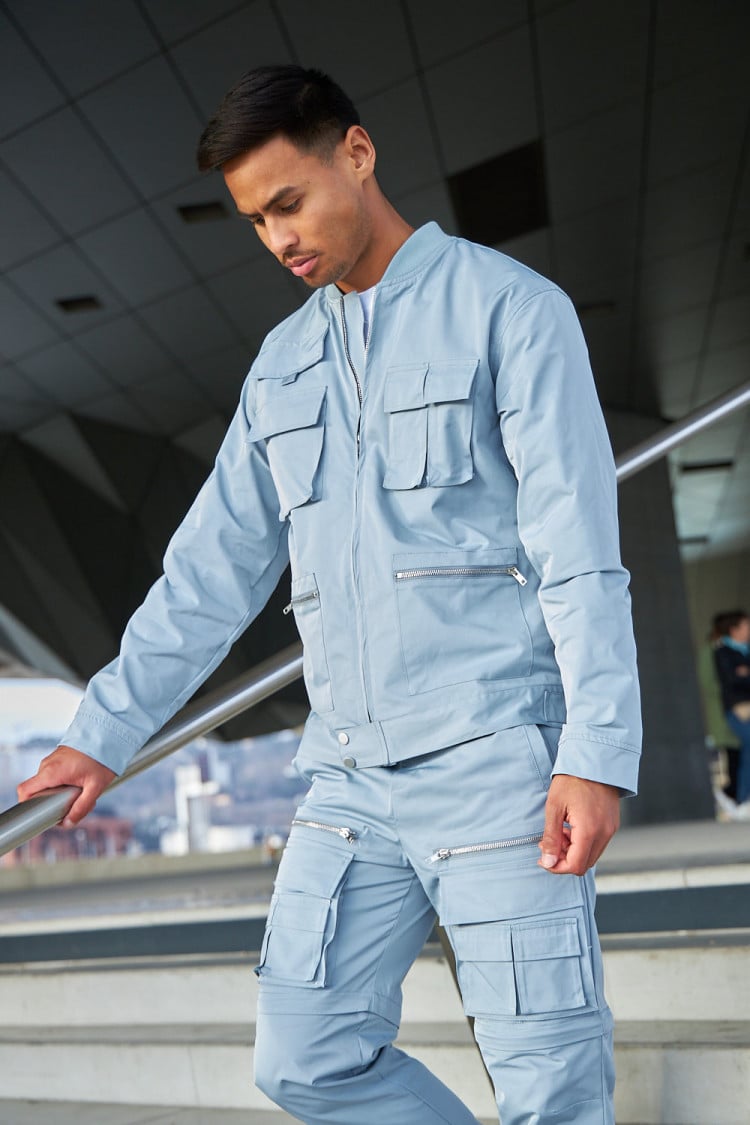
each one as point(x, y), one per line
point(410, 258)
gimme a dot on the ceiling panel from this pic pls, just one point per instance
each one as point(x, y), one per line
point(428, 203)
point(125, 350)
point(439, 34)
point(64, 373)
point(688, 211)
point(696, 121)
point(63, 273)
point(214, 59)
point(595, 246)
point(692, 35)
point(34, 93)
point(22, 329)
point(121, 36)
point(398, 112)
point(730, 323)
point(174, 19)
point(141, 262)
point(364, 53)
point(149, 125)
point(188, 323)
point(593, 56)
point(679, 281)
point(210, 247)
point(64, 168)
point(595, 162)
point(256, 295)
point(484, 101)
point(172, 402)
point(25, 229)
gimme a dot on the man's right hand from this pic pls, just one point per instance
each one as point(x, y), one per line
point(66, 766)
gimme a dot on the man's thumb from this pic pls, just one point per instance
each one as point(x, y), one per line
point(551, 842)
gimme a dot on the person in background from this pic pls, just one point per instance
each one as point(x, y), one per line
point(722, 744)
point(732, 657)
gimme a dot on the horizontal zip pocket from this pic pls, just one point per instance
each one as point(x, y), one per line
point(310, 596)
point(343, 831)
point(459, 572)
point(490, 846)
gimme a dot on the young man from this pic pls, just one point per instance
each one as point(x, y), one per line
point(423, 440)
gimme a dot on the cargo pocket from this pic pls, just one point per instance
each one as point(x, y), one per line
point(519, 936)
point(429, 412)
point(292, 425)
point(305, 604)
point(303, 913)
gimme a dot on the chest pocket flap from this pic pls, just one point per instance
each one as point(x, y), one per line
point(286, 359)
point(292, 424)
point(429, 423)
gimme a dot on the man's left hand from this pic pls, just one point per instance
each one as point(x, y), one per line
point(581, 818)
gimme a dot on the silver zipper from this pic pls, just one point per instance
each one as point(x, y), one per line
point(495, 845)
point(347, 834)
point(460, 572)
point(298, 601)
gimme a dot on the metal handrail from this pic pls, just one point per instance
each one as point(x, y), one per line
point(28, 819)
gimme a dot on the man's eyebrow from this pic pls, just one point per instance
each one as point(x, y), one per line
point(277, 195)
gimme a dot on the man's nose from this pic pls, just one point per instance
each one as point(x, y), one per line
point(281, 237)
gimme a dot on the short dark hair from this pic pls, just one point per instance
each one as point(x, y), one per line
point(728, 619)
point(304, 105)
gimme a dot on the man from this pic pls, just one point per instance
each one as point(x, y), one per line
point(423, 440)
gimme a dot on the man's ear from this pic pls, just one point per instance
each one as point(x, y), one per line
point(360, 151)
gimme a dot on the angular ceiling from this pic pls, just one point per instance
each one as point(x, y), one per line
point(605, 145)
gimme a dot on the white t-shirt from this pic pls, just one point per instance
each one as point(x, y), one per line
point(366, 299)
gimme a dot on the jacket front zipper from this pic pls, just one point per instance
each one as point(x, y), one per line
point(460, 572)
point(347, 834)
point(495, 845)
point(355, 526)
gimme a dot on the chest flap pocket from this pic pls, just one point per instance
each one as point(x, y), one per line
point(291, 422)
point(429, 409)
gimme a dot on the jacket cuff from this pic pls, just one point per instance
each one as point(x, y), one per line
point(601, 761)
point(101, 737)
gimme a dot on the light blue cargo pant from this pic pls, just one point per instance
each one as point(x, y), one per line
point(373, 855)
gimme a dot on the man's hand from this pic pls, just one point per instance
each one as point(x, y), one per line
point(581, 818)
point(66, 766)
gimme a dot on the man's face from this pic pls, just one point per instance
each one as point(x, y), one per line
point(310, 213)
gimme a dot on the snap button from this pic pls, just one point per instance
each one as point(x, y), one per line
point(350, 763)
point(343, 738)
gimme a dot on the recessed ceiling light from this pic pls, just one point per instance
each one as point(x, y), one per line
point(203, 212)
point(706, 466)
point(86, 303)
point(693, 540)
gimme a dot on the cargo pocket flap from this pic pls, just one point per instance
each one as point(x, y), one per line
point(547, 941)
point(450, 382)
point(498, 893)
point(285, 361)
point(404, 388)
point(311, 867)
point(297, 911)
point(490, 942)
point(288, 411)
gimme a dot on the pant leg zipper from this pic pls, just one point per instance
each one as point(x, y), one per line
point(459, 572)
point(495, 845)
point(347, 834)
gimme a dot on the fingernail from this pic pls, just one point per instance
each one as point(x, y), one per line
point(67, 823)
point(548, 860)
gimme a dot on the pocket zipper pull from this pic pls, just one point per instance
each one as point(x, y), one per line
point(287, 609)
point(516, 573)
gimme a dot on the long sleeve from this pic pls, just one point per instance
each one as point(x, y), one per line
point(557, 443)
point(220, 568)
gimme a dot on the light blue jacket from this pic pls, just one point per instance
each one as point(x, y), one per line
point(446, 496)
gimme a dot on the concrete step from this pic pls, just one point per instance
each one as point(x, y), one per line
point(31, 1112)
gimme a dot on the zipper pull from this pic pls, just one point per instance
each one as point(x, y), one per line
point(287, 609)
point(441, 853)
point(516, 573)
